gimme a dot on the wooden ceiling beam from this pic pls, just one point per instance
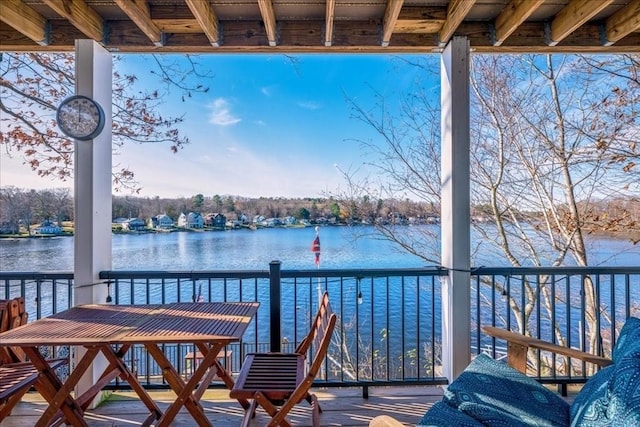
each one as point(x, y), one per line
point(572, 16)
point(83, 17)
point(416, 29)
point(510, 18)
point(456, 12)
point(269, 19)
point(420, 20)
point(390, 19)
point(187, 26)
point(25, 20)
point(622, 23)
point(138, 11)
point(328, 25)
point(206, 17)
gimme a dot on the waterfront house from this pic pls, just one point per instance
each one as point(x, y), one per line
point(9, 228)
point(134, 224)
point(216, 220)
point(190, 220)
point(162, 221)
point(48, 227)
point(233, 223)
point(271, 222)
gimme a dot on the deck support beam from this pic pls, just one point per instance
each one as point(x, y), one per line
point(92, 192)
point(455, 206)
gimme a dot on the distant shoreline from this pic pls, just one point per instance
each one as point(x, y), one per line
point(632, 236)
point(69, 233)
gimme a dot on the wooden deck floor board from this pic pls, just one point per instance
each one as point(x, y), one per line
point(341, 407)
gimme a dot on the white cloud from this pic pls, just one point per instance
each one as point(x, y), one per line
point(221, 114)
point(309, 105)
point(266, 91)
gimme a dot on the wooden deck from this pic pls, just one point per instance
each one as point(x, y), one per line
point(341, 407)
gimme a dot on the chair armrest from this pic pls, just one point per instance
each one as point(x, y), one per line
point(384, 421)
point(518, 345)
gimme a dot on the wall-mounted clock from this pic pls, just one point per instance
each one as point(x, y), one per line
point(80, 117)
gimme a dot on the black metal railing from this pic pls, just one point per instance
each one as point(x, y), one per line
point(579, 307)
point(390, 319)
point(44, 293)
point(387, 333)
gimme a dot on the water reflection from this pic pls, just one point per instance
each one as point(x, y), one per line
point(250, 250)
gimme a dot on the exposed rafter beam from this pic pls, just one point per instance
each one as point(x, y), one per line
point(456, 12)
point(269, 19)
point(514, 14)
point(346, 29)
point(623, 22)
point(390, 18)
point(83, 17)
point(576, 13)
point(329, 15)
point(207, 19)
point(420, 20)
point(138, 11)
point(25, 20)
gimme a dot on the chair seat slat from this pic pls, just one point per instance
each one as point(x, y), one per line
point(283, 379)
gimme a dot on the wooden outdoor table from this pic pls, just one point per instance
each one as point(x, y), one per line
point(112, 330)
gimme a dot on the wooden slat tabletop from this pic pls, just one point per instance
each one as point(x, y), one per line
point(101, 324)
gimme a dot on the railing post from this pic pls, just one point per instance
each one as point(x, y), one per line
point(274, 304)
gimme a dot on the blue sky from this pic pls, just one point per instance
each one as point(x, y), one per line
point(270, 125)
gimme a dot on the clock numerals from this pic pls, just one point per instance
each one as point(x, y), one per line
point(80, 117)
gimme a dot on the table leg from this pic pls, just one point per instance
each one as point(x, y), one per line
point(58, 394)
point(115, 360)
point(184, 391)
point(223, 375)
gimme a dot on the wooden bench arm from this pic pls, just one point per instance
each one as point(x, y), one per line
point(518, 346)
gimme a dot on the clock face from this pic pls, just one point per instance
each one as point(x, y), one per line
point(80, 117)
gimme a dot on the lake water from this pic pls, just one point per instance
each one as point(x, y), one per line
point(387, 305)
point(251, 250)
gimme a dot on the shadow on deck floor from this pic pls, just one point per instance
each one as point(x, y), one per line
point(341, 407)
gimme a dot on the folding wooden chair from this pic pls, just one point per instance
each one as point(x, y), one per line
point(279, 381)
point(12, 315)
point(15, 380)
point(17, 374)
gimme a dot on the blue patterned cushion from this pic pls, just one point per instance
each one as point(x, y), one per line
point(628, 342)
point(494, 385)
point(443, 415)
point(624, 407)
point(589, 408)
point(490, 415)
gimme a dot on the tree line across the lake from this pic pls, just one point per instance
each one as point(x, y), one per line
point(21, 209)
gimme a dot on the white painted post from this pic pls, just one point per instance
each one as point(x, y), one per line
point(455, 206)
point(92, 192)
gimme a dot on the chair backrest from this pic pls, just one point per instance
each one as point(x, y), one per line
point(314, 336)
point(4, 315)
point(12, 315)
point(320, 335)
